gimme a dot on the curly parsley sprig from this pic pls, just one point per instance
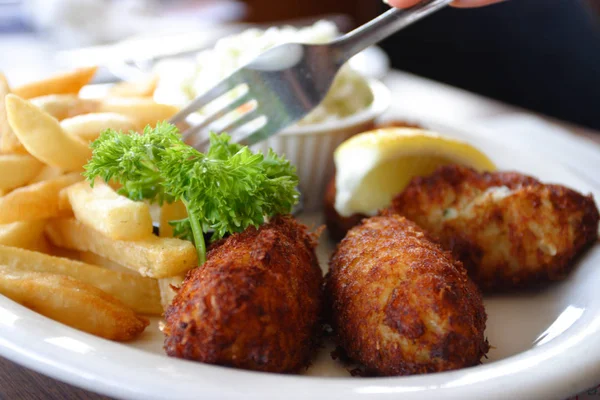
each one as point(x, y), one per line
point(225, 190)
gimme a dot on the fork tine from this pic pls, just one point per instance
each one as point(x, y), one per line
point(222, 87)
point(260, 134)
point(243, 120)
point(240, 101)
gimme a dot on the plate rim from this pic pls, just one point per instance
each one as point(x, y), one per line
point(489, 380)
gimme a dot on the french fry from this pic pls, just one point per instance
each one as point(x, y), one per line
point(23, 234)
point(168, 289)
point(73, 303)
point(63, 200)
point(153, 257)
point(145, 111)
point(137, 292)
point(17, 170)
point(62, 106)
point(66, 83)
point(92, 258)
point(115, 216)
point(47, 172)
point(141, 88)
point(37, 201)
point(41, 246)
point(89, 126)
point(170, 212)
point(61, 252)
point(9, 143)
point(43, 137)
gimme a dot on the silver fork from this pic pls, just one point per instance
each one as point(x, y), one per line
point(284, 84)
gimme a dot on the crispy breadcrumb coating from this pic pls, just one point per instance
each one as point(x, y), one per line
point(400, 304)
point(255, 304)
point(509, 230)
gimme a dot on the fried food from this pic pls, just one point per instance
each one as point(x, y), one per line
point(255, 304)
point(89, 126)
point(152, 256)
point(73, 303)
point(47, 172)
point(400, 304)
point(137, 292)
point(67, 83)
point(144, 110)
point(111, 214)
point(17, 170)
point(508, 229)
point(37, 201)
point(169, 286)
point(168, 289)
point(44, 138)
point(9, 143)
point(140, 88)
point(63, 106)
point(22, 234)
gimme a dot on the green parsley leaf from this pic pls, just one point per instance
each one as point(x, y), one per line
point(225, 190)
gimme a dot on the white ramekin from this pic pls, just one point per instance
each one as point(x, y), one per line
point(310, 147)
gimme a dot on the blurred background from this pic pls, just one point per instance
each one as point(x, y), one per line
point(542, 55)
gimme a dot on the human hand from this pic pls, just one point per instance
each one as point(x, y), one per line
point(456, 3)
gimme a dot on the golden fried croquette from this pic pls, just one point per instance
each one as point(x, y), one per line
point(255, 303)
point(400, 304)
point(508, 229)
point(338, 226)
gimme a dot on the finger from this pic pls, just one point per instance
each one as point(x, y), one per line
point(456, 3)
point(474, 3)
point(403, 3)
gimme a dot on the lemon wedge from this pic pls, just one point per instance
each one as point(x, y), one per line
point(374, 166)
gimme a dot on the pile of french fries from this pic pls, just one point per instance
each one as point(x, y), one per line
point(83, 256)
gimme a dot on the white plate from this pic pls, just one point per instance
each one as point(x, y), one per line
point(546, 344)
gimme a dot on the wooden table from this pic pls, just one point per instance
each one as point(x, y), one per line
point(414, 96)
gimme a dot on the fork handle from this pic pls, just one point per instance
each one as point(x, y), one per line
point(383, 26)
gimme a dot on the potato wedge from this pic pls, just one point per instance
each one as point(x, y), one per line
point(141, 88)
point(43, 137)
point(17, 170)
point(37, 201)
point(23, 234)
point(168, 289)
point(153, 257)
point(61, 252)
point(145, 111)
point(92, 258)
point(9, 143)
point(46, 173)
point(89, 126)
point(137, 292)
point(73, 303)
point(41, 246)
point(170, 212)
point(62, 106)
point(66, 83)
point(115, 216)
